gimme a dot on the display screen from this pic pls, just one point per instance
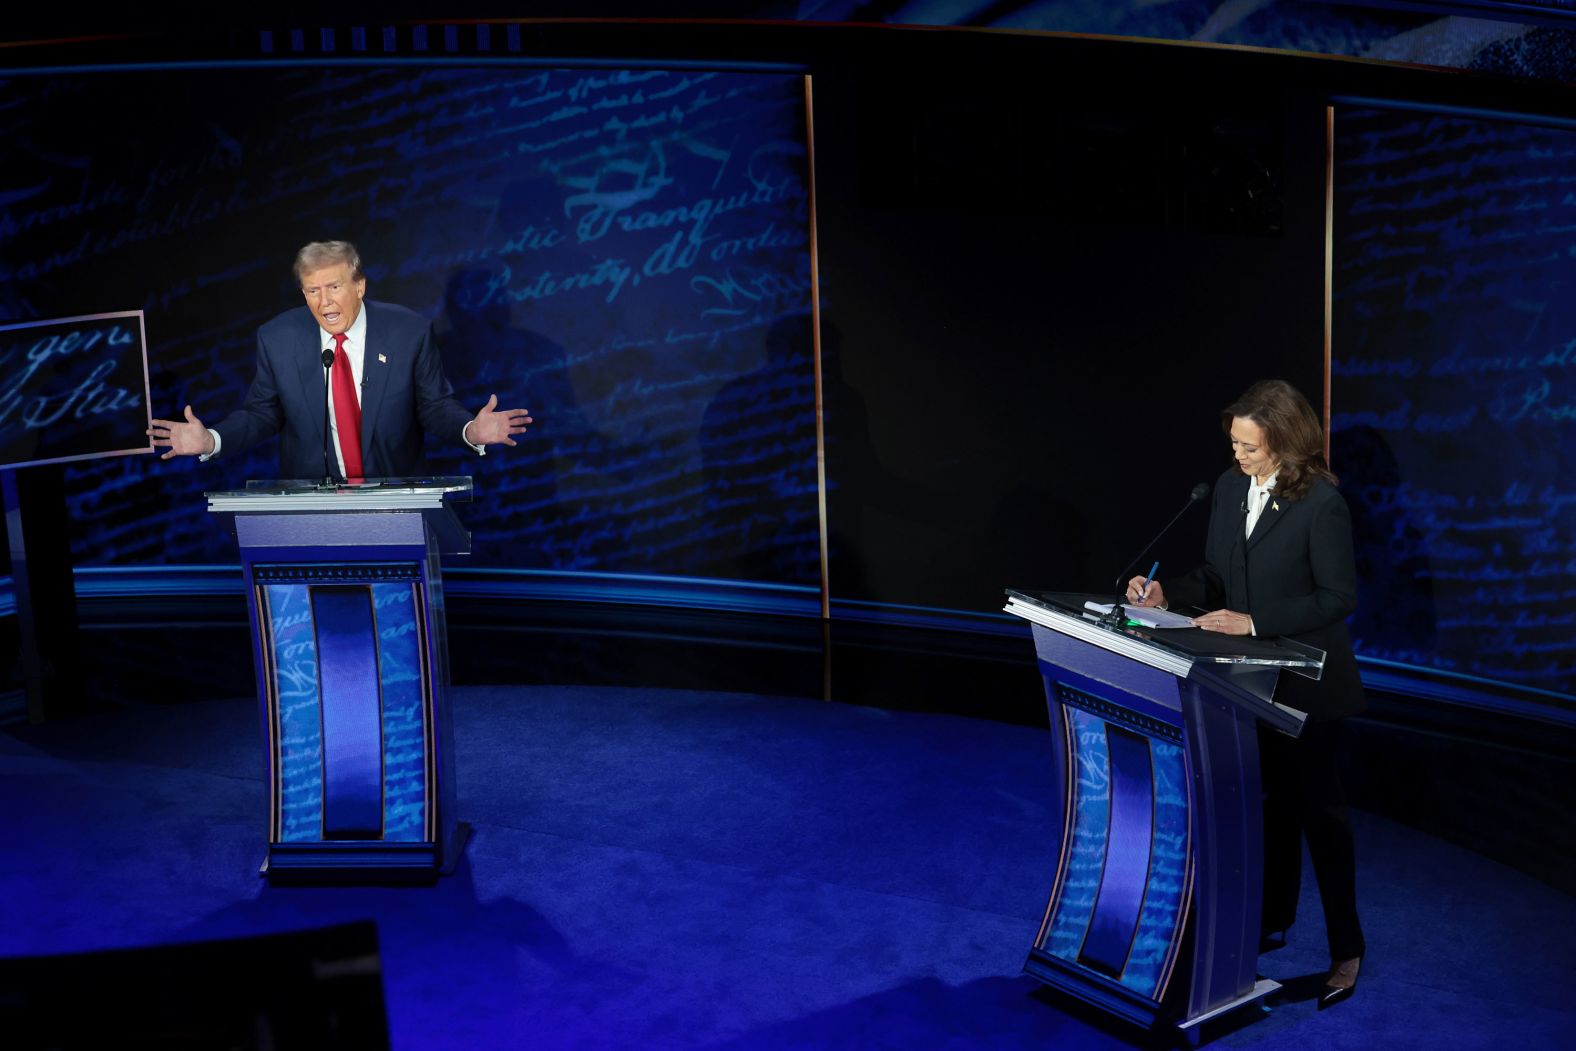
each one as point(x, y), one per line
point(73, 389)
point(1453, 390)
point(624, 252)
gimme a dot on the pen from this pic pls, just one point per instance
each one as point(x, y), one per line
point(1145, 586)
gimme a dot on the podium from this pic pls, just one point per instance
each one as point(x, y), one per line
point(1155, 904)
point(351, 651)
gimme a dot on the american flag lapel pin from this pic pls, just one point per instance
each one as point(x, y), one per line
point(384, 361)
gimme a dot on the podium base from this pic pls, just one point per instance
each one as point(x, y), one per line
point(371, 863)
point(1261, 988)
point(1111, 997)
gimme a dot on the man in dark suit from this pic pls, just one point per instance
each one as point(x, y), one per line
point(386, 383)
point(1279, 561)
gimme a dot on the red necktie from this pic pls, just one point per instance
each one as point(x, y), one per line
point(347, 411)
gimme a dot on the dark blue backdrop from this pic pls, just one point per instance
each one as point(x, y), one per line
point(625, 253)
point(1454, 389)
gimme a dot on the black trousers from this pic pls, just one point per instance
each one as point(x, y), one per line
point(1303, 798)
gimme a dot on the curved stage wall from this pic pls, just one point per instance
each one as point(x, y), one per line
point(1035, 298)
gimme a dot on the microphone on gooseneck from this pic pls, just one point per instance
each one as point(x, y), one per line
point(1117, 614)
point(328, 452)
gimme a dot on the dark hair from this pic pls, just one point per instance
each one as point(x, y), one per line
point(1292, 434)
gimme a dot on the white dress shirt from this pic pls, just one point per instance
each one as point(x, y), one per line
point(1258, 499)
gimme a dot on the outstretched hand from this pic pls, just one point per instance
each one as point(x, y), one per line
point(491, 427)
point(186, 437)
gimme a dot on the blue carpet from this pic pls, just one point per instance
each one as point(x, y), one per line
point(676, 869)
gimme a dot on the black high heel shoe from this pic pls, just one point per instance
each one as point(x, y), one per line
point(1342, 983)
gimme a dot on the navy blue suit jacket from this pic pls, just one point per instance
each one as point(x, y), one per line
point(1295, 576)
point(403, 392)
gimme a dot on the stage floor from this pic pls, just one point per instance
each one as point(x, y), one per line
point(671, 868)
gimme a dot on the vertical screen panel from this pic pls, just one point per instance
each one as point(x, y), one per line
point(402, 671)
point(1166, 892)
point(347, 649)
point(299, 714)
point(1132, 823)
point(1089, 808)
point(1453, 389)
point(1120, 906)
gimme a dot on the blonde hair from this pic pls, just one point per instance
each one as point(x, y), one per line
point(318, 254)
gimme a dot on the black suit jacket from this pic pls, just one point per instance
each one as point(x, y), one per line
point(403, 392)
point(1295, 576)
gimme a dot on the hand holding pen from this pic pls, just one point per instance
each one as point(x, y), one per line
point(1146, 590)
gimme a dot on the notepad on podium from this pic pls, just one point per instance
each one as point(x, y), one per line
point(1148, 616)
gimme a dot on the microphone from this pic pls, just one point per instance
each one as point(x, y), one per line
point(328, 452)
point(1118, 614)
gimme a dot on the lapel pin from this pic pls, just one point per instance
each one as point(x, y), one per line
point(1274, 504)
point(384, 361)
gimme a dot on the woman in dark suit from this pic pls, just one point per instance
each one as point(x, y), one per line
point(1279, 561)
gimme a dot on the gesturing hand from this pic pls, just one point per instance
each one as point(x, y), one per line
point(491, 427)
point(186, 437)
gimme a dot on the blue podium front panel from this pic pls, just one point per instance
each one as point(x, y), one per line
point(402, 672)
point(1119, 905)
point(294, 713)
point(348, 702)
point(352, 711)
